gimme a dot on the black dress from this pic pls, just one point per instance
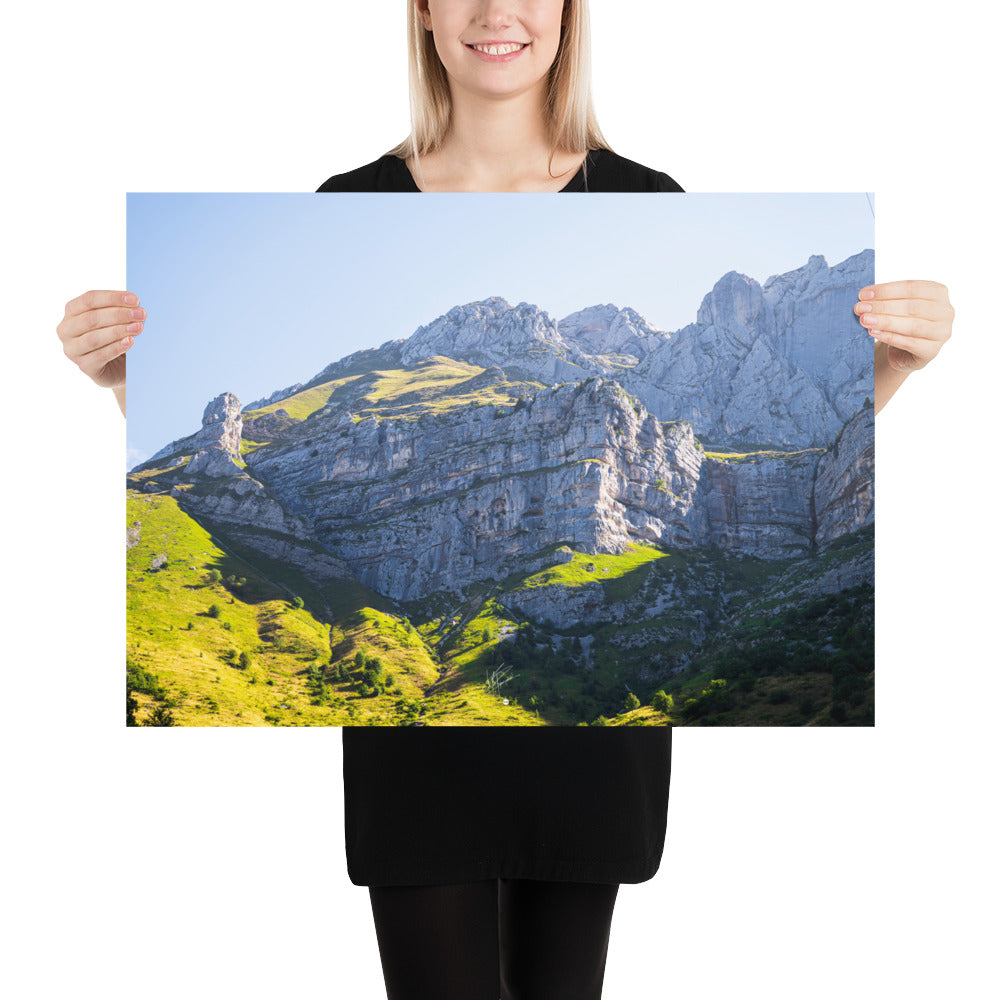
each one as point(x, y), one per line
point(429, 805)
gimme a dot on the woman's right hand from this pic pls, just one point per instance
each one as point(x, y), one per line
point(96, 331)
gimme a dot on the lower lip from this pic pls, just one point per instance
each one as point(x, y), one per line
point(506, 57)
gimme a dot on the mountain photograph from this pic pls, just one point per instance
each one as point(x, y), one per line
point(507, 518)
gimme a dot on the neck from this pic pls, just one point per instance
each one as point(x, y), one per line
point(493, 143)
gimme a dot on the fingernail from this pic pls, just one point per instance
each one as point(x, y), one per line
point(133, 327)
point(862, 307)
point(867, 293)
point(127, 342)
point(130, 300)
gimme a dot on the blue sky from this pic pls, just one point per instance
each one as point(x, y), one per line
point(248, 293)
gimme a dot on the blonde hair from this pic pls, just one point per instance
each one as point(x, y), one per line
point(571, 122)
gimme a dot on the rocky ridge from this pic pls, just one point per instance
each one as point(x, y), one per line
point(774, 375)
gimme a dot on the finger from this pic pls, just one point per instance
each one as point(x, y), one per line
point(905, 290)
point(920, 348)
point(908, 326)
point(92, 363)
point(931, 309)
point(96, 340)
point(72, 328)
point(95, 299)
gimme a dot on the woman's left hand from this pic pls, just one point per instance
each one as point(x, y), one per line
point(912, 318)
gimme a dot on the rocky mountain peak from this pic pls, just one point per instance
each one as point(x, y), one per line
point(487, 332)
point(225, 411)
point(606, 329)
point(736, 304)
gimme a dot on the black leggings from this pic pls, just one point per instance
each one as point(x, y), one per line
point(515, 939)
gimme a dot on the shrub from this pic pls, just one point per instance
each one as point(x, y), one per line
point(160, 716)
point(297, 602)
point(600, 721)
point(244, 660)
point(214, 611)
point(213, 576)
point(631, 702)
point(138, 679)
point(317, 684)
point(662, 701)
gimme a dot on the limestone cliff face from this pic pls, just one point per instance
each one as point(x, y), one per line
point(815, 331)
point(845, 480)
point(448, 499)
point(781, 365)
point(761, 506)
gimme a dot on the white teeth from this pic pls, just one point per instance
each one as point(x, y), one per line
point(499, 50)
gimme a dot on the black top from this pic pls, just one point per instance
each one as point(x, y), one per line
point(605, 171)
point(437, 805)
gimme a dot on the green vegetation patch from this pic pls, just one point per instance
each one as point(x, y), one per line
point(620, 575)
point(394, 640)
point(435, 385)
point(743, 456)
point(305, 403)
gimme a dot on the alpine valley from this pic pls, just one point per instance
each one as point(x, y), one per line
point(507, 519)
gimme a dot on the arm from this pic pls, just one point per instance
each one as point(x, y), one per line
point(887, 379)
point(910, 322)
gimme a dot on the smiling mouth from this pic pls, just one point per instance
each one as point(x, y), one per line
point(503, 49)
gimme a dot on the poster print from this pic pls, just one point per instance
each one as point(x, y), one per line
point(500, 460)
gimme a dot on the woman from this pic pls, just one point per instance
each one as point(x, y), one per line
point(502, 876)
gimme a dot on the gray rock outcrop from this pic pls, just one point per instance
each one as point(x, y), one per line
point(845, 480)
point(221, 430)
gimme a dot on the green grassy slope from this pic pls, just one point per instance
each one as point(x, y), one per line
point(194, 606)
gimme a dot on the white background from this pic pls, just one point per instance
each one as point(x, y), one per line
point(797, 863)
